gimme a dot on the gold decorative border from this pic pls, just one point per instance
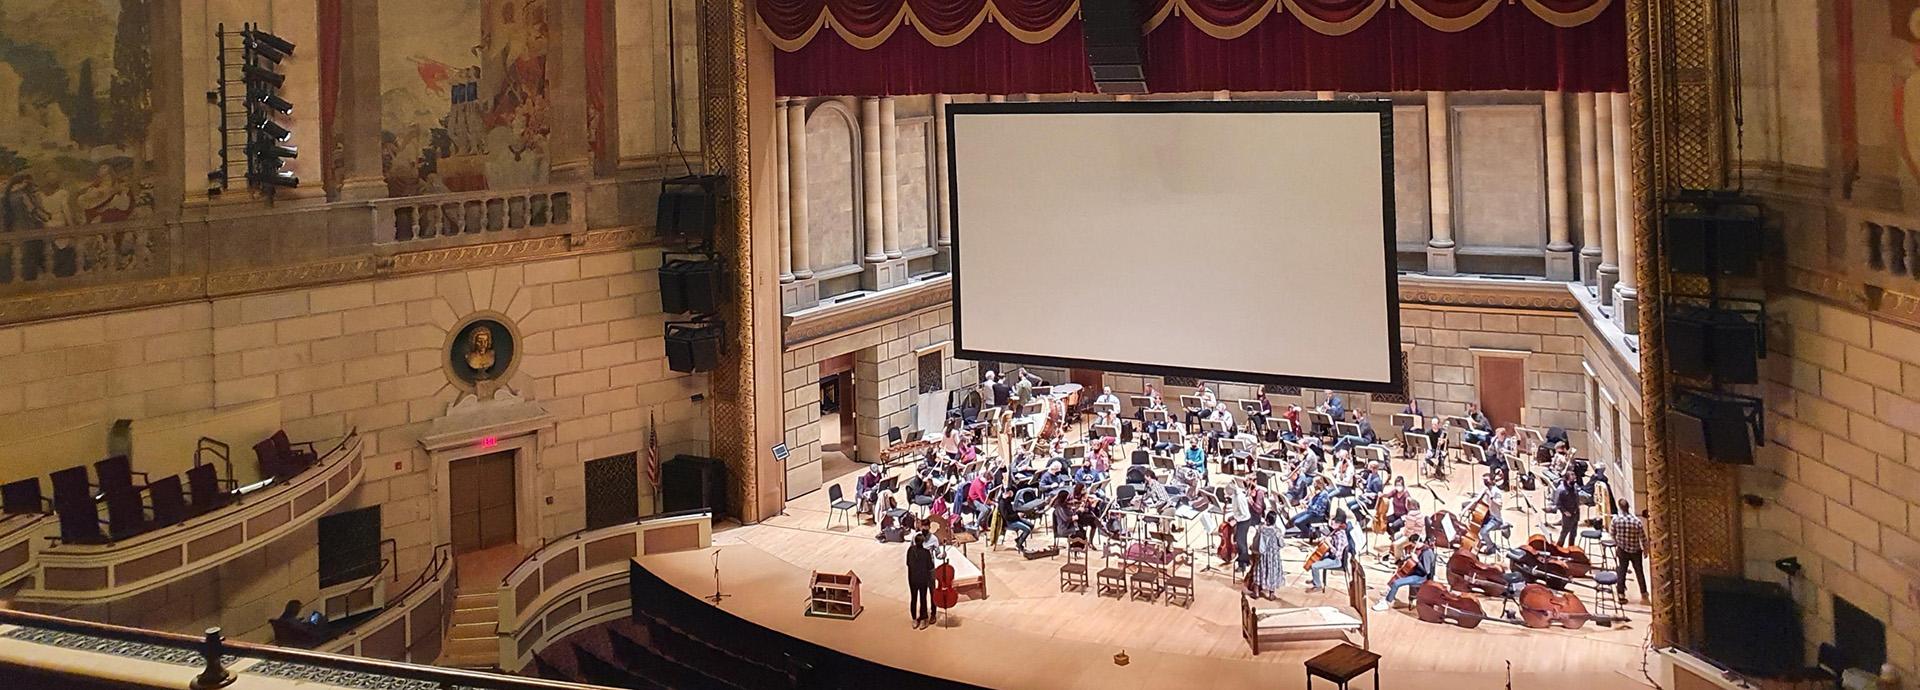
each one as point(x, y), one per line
point(1169, 9)
point(1489, 298)
point(724, 133)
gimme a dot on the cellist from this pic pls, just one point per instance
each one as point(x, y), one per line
point(1413, 572)
point(1494, 498)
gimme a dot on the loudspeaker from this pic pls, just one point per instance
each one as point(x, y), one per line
point(1704, 243)
point(1713, 341)
point(689, 285)
point(1112, 29)
point(1716, 429)
point(693, 347)
point(691, 482)
point(1751, 626)
point(688, 206)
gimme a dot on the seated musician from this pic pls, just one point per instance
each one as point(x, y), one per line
point(1196, 458)
point(894, 530)
point(1014, 521)
point(1293, 418)
point(866, 488)
point(1223, 416)
point(1366, 437)
point(1257, 419)
point(1398, 502)
point(1413, 523)
point(1054, 479)
point(1335, 407)
point(1371, 483)
point(1479, 428)
point(1308, 468)
point(1153, 496)
point(1495, 498)
point(1108, 398)
point(1341, 473)
point(1437, 442)
point(1195, 414)
point(1424, 563)
point(1317, 508)
point(1339, 544)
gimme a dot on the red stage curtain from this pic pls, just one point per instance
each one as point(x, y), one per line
point(990, 62)
point(1490, 45)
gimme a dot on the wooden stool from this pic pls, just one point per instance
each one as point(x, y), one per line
point(1342, 664)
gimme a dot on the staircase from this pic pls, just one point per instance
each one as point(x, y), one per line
point(474, 641)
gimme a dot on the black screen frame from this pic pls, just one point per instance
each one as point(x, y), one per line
point(1396, 382)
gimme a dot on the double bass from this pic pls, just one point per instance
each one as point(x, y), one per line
point(1541, 607)
point(1476, 517)
point(1445, 529)
point(1467, 574)
point(1573, 560)
point(1434, 604)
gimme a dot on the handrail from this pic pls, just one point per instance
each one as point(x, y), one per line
point(544, 542)
point(213, 647)
point(442, 557)
point(217, 448)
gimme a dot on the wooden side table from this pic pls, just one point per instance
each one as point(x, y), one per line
point(1342, 664)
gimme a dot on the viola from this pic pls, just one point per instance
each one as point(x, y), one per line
point(1467, 574)
point(1434, 604)
point(1571, 558)
point(1541, 607)
point(944, 595)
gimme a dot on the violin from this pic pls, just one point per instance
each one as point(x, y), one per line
point(944, 595)
point(1434, 604)
point(1541, 607)
point(1572, 559)
point(1467, 574)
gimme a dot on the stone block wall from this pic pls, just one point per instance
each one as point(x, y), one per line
point(369, 355)
point(886, 378)
point(1841, 470)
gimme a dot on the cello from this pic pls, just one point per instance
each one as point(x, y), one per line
point(1476, 517)
point(1572, 559)
point(1226, 551)
point(944, 595)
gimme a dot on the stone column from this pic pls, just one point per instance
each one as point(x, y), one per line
point(1323, 95)
point(870, 178)
point(361, 173)
point(796, 190)
point(570, 158)
point(943, 232)
point(1559, 244)
point(782, 191)
point(1626, 293)
point(1609, 236)
point(890, 177)
point(1589, 193)
point(1440, 194)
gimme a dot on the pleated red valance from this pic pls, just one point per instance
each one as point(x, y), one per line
point(1386, 45)
point(885, 47)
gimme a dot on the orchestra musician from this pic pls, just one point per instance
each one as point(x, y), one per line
point(1630, 548)
point(920, 581)
point(1108, 398)
point(866, 488)
point(1293, 418)
point(1366, 437)
point(1258, 420)
point(1240, 511)
point(1412, 524)
point(1317, 509)
point(1196, 458)
point(1479, 428)
point(1437, 441)
point(1339, 543)
point(1495, 498)
point(1195, 414)
point(1022, 388)
point(1335, 407)
point(1410, 575)
point(1223, 416)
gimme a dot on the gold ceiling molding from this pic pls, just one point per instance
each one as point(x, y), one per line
point(989, 13)
point(1268, 9)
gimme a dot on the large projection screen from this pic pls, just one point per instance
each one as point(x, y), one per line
point(1234, 241)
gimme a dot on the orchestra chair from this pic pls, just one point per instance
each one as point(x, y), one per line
point(1073, 574)
point(1179, 586)
point(208, 491)
point(169, 499)
point(837, 501)
point(73, 501)
point(22, 497)
point(943, 527)
point(1112, 577)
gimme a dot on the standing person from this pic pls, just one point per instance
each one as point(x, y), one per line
point(920, 581)
point(1566, 501)
point(1630, 545)
point(1422, 566)
point(1240, 510)
point(1271, 574)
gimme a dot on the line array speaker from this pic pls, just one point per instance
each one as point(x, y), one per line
point(689, 206)
point(1717, 342)
point(1716, 428)
point(691, 482)
point(693, 347)
point(1112, 30)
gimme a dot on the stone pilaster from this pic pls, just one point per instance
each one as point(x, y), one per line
point(1440, 247)
point(1559, 243)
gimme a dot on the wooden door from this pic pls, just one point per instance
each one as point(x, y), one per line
point(1503, 387)
point(481, 502)
point(849, 438)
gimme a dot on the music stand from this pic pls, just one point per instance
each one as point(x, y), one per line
point(1249, 406)
point(1043, 391)
point(1319, 420)
point(1031, 408)
point(1075, 451)
point(1105, 430)
point(1345, 429)
point(1163, 462)
point(1477, 455)
point(1213, 425)
point(1372, 452)
point(1139, 401)
point(1459, 421)
point(1191, 402)
point(1155, 416)
point(1167, 436)
point(1280, 424)
point(1268, 463)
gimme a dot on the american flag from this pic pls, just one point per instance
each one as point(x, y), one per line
point(653, 452)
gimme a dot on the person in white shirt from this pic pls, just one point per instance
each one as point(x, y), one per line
point(1107, 398)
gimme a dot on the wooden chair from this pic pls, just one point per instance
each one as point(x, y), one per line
point(1073, 574)
point(1145, 581)
point(1112, 577)
point(837, 501)
point(1180, 585)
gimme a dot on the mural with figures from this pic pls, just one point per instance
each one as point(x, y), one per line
point(75, 109)
point(464, 105)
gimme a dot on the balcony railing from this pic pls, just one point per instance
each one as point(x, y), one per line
point(413, 625)
point(580, 580)
point(84, 255)
point(1883, 247)
point(457, 218)
point(87, 651)
point(68, 573)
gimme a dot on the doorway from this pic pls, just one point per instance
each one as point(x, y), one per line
point(480, 497)
point(1502, 385)
point(839, 444)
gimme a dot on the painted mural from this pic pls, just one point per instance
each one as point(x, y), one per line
point(76, 103)
point(464, 103)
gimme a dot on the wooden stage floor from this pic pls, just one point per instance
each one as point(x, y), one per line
point(1027, 623)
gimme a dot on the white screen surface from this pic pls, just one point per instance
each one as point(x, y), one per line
point(1211, 240)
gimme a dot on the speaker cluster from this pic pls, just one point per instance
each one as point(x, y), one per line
point(691, 280)
point(1715, 322)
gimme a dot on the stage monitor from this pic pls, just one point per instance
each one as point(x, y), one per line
point(1237, 241)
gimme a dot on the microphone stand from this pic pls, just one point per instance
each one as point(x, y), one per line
point(716, 597)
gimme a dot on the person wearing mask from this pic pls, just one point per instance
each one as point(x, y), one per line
point(1424, 562)
point(920, 581)
point(1196, 458)
point(1479, 428)
point(1240, 511)
point(1339, 546)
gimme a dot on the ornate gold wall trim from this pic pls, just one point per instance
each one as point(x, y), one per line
point(164, 291)
point(1877, 302)
point(1546, 296)
point(725, 138)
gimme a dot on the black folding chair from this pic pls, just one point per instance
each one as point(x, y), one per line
point(117, 473)
point(80, 521)
point(169, 501)
point(126, 514)
point(23, 497)
point(208, 490)
point(837, 501)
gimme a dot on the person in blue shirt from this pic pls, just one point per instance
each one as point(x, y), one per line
point(1196, 458)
